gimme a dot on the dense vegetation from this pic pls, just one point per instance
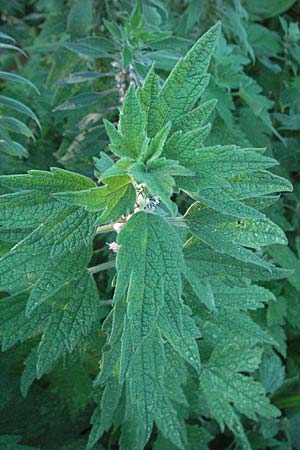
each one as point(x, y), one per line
point(150, 258)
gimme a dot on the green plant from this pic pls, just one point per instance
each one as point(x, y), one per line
point(179, 275)
point(11, 126)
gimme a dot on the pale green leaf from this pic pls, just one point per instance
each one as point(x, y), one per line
point(103, 415)
point(158, 175)
point(117, 197)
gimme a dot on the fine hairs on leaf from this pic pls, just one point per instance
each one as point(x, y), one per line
point(182, 317)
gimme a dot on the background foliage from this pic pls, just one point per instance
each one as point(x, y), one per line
point(80, 56)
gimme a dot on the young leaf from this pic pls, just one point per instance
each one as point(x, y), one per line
point(158, 175)
point(148, 94)
point(128, 141)
point(185, 84)
point(117, 197)
point(156, 145)
point(133, 136)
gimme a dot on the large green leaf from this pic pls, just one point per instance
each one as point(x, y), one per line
point(228, 392)
point(56, 243)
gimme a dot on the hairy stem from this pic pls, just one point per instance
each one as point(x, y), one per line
point(102, 266)
point(176, 221)
point(105, 228)
point(106, 303)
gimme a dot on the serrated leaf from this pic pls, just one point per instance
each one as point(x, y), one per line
point(57, 180)
point(60, 246)
point(63, 322)
point(184, 144)
point(227, 323)
point(158, 175)
point(117, 197)
point(228, 235)
point(132, 136)
point(14, 325)
point(272, 372)
point(156, 145)
point(149, 314)
point(243, 298)
point(103, 415)
point(206, 263)
point(69, 322)
point(103, 163)
point(197, 437)
point(146, 270)
point(185, 84)
point(187, 348)
point(128, 141)
point(227, 391)
point(226, 199)
point(196, 118)
point(148, 94)
point(226, 161)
